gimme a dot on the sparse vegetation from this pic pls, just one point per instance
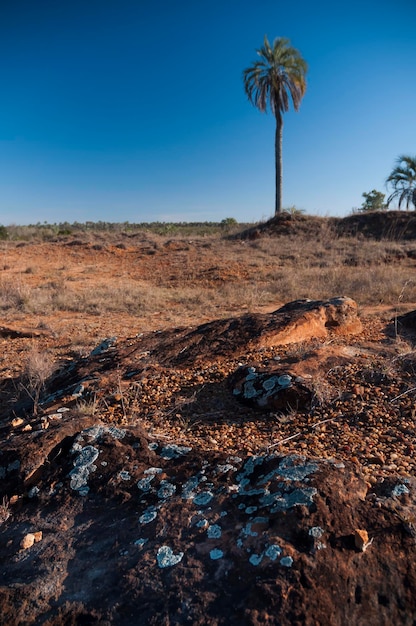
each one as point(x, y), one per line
point(38, 368)
point(86, 231)
point(295, 257)
point(373, 201)
point(4, 510)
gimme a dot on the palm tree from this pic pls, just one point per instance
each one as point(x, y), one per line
point(278, 76)
point(403, 181)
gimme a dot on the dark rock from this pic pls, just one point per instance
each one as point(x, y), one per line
point(274, 390)
point(162, 532)
point(407, 321)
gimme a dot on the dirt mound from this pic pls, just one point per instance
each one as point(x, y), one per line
point(389, 225)
point(288, 225)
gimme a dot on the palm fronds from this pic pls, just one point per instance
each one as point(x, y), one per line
point(403, 182)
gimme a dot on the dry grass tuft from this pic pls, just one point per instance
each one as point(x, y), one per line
point(5, 512)
point(38, 367)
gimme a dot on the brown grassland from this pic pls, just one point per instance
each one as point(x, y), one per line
point(145, 280)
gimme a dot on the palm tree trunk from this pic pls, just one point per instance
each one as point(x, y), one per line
point(278, 164)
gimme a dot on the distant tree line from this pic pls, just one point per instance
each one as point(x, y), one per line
point(46, 231)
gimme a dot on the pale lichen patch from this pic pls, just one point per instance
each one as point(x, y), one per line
point(148, 516)
point(166, 557)
point(214, 531)
point(216, 554)
point(173, 451)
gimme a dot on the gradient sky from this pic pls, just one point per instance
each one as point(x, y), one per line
point(134, 110)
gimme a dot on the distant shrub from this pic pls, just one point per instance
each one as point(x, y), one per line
point(229, 221)
point(293, 210)
point(3, 233)
point(373, 201)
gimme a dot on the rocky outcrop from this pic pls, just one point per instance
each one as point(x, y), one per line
point(106, 522)
point(295, 322)
point(274, 390)
point(184, 347)
point(131, 527)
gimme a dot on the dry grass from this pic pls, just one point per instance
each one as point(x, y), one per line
point(5, 512)
point(38, 367)
point(209, 275)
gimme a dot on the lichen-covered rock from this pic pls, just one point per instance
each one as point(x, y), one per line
point(208, 532)
point(275, 390)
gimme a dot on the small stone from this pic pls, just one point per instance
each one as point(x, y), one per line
point(140, 542)
point(17, 422)
point(203, 498)
point(148, 516)
point(361, 540)
point(124, 475)
point(273, 551)
point(27, 541)
point(399, 490)
point(32, 493)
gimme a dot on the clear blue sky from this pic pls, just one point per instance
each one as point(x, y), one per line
point(134, 110)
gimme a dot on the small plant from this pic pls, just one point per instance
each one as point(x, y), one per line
point(87, 407)
point(38, 368)
point(4, 510)
point(228, 223)
point(399, 300)
point(293, 210)
point(13, 296)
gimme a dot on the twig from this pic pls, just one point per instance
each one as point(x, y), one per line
point(331, 419)
point(283, 440)
point(404, 393)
